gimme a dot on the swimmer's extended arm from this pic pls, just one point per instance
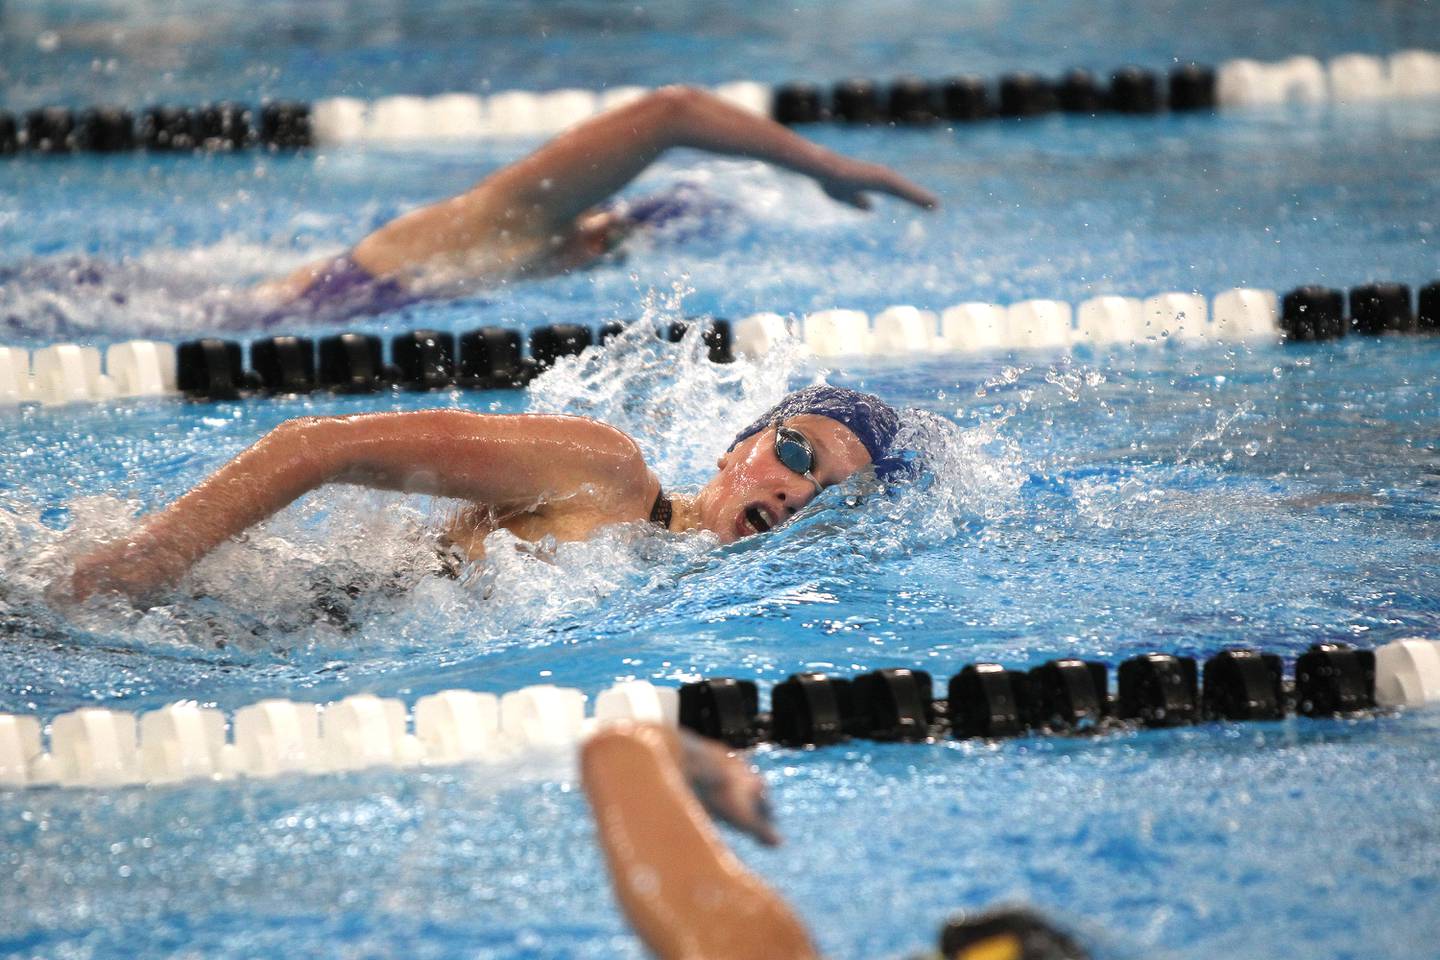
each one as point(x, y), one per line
point(508, 463)
point(683, 890)
point(544, 193)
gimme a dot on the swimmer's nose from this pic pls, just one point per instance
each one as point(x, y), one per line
point(792, 501)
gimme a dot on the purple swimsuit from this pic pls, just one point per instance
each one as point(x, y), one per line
point(346, 289)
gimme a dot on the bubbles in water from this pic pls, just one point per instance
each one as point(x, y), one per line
point(163, 292)
point(681, 409)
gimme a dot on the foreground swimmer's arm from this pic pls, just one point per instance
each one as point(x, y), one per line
point(543, 194)
point(509, 464)
point(684, 891)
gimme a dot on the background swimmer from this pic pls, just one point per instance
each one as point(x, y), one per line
point(544, 215)
point(534, 475)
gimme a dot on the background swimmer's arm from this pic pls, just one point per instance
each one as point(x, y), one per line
point(546, 191)
point(683, 890)
point(505, 462)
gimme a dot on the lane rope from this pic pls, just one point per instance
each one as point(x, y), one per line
point(907, 101)
point(495, 357)
point(97, 747)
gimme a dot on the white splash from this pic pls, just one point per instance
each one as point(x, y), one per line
point(682, 409)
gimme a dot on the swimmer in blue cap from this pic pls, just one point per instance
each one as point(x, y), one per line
point(534, 475)
point(552, 211)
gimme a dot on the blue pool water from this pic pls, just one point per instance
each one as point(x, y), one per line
point(1102, 505)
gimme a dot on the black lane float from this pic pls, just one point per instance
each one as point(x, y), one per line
point(1319, 313)
point(1059, 697)
point(107, 128)
point(489, 358)
point(916, 101)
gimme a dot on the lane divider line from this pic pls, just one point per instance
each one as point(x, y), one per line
point(494, 357)
point(906, 101)
point(97, 747)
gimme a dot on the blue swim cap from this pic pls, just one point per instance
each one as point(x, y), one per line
point(871, 419)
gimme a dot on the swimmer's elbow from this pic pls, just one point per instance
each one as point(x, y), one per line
point(676, 101)
point(297, 427)
point(299, 435)
point(309, 447)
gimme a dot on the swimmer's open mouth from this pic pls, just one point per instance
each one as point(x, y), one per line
point(757, 520)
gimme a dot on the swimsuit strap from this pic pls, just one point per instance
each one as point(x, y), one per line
point(660, 512)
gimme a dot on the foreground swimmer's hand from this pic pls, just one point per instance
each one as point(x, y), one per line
point(728, 787)
point(111, 567)
point(683, 890)
point(132, 566)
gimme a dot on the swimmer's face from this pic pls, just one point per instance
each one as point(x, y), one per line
point(754, 491)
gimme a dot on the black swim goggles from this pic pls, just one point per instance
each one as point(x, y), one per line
point(793, 449)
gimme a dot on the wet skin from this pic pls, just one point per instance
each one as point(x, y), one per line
point(752, 493)
point(534, 475)
point(751, 476)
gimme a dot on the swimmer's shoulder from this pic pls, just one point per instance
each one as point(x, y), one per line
point(595, 436)
point(619, 475)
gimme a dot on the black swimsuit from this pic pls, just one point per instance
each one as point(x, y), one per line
point(451, 560)
point(660, 512)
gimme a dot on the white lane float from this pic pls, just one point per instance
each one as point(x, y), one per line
point(181, 742)
point(141, 368)
point(1039, 324)
point(19, 747)
point(278, 736)
point(974, 327)
point(1407, 673)
point(747, 95)
point(758, 334)
point(903, 330)
point(69, 373)
point(457, 116)
point(1301, 80)
point(837, 333)
point(637, 700)
point(560, 110)
point(1102, 320)
point(14, 376)
point(338, 120)
point(365, 731)
point(95, 747)
point(514, 113)
point(1358, 78)
point(1246, 314)
point(1176, 317)
point(399, 119)
point(613, 97)
point(543, 716)
point(458, 725)
point(1415, 74)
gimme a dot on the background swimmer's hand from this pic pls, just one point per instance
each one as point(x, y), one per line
point(852, 179)
point(728, 788)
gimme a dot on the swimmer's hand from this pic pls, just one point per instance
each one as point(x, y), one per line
point(728, 788)
point(850, 180)
point(127, 566)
